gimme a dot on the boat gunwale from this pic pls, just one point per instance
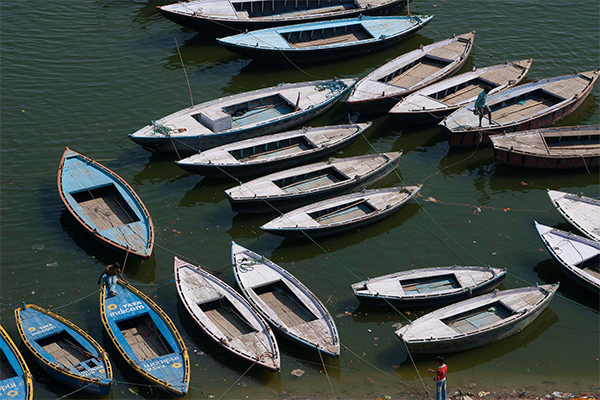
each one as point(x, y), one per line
point(27, 377)
point(326, 315)
point(569, 219)
point(95, 232)
point(131, 362)
point(77, 329)
point(266, 328)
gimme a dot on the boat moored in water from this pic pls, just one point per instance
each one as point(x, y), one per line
point(241, 116)
point(105, 205)
point(292, 188)
point(224, 315)
point(15, 379)
point(580, 211)
point(288, 305)
point(531, 106)
point(324, 40)
point(341, 214)
point(477, 321)
point(379, 91)
point(64, 350)
point(267, 154)
point(428, 286)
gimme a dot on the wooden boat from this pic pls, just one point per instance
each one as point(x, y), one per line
point(64, 350)
point(550, 148)
point(299, 186)
point(379, 91)
point(241, 116)
point(433, 103)
point(428, 286)
point(580, 211)
point(227, 16)
point(16, 381)
point(324, 40)
point(577, 256)
point(341, 214)
point(535, 105)
point(105, 205)
point(225, 316)
point(146, 338)
point(476, 322)
point(288, 305)
point(271, 153)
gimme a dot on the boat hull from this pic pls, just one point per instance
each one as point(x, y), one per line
point(222, 26)
point(422, 118)
point(287, 203)
point(519, 159)
point(478, 137)
point(20, 386)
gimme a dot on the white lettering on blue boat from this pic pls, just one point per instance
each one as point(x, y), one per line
point(42, 329)
point(11, 385)
point(159, 364)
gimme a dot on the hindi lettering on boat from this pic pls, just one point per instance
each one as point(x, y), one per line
point(580, 211)
point(379, 91)
point(288, 305)
point(225, 316)
point(271, 153)
point(532, 106)
point(15, 379)
point(341, 214)
point(241, 116)
point(299, 186)
point(433, 103)
point(64, 350)
point(325, 40)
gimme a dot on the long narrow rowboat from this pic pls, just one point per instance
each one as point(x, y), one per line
point(535, 105)
point(146, 338)
point(476, 322)
point(226, 16)
point(225, 316)
point(272, 153)
point(299, 186)
point(577, 256)
point(241, 116)
point(381, 89)
point(16, 381)
point(428, 286)
point(105, 205)
point(341, 214)
point(288, 305)
point(325, 40)
point(580, 211)
point(435, 102)
point(550, 148)
point(64, 350)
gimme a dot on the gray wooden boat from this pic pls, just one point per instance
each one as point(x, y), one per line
point(433, 103)
point(476, 322)
point(299, 186)
point(225, 316)
point(341, 214)
point(271, 153)
point(577, 256)
point(565, 147)
point(531, 106)
point(288, 305)
point(382, 88)
point(580, 211)
point(241, 116)
point(219, 17)
point(428, 286)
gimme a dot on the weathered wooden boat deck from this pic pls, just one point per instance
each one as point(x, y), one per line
point(145, 340)
point(64, 351)
point(580, 211)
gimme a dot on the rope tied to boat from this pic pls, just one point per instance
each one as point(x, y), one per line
point(247, 264)
point(334, 86)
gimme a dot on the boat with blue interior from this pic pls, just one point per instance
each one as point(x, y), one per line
point(15, 379)
point(64, 350)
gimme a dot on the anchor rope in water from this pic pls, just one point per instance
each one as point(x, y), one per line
point(238, 379)
point(326, 373)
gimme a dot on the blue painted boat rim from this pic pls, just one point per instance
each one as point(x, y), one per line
point(27, 377)
point(54, 366)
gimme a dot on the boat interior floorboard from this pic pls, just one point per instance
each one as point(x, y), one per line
point(62, 347)
point(412, 76)
point(144, 338)
point(463, 94)
point(105, 207)
point(285, 304)
point(478, 318)
point(230, 322)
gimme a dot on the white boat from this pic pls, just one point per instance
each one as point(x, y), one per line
point(580, 211)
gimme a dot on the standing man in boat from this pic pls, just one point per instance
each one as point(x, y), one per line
point(481, 106)
point(112, 272)
point(440, 378)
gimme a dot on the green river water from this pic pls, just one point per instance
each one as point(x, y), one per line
point(84, 74)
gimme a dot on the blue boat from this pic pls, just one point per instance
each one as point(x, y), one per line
point(64, 350)
point(324, 41)
point(146, 338)
point(105, 205)
point(15, 379)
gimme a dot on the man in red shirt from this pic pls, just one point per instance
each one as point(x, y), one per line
point(440, 379)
